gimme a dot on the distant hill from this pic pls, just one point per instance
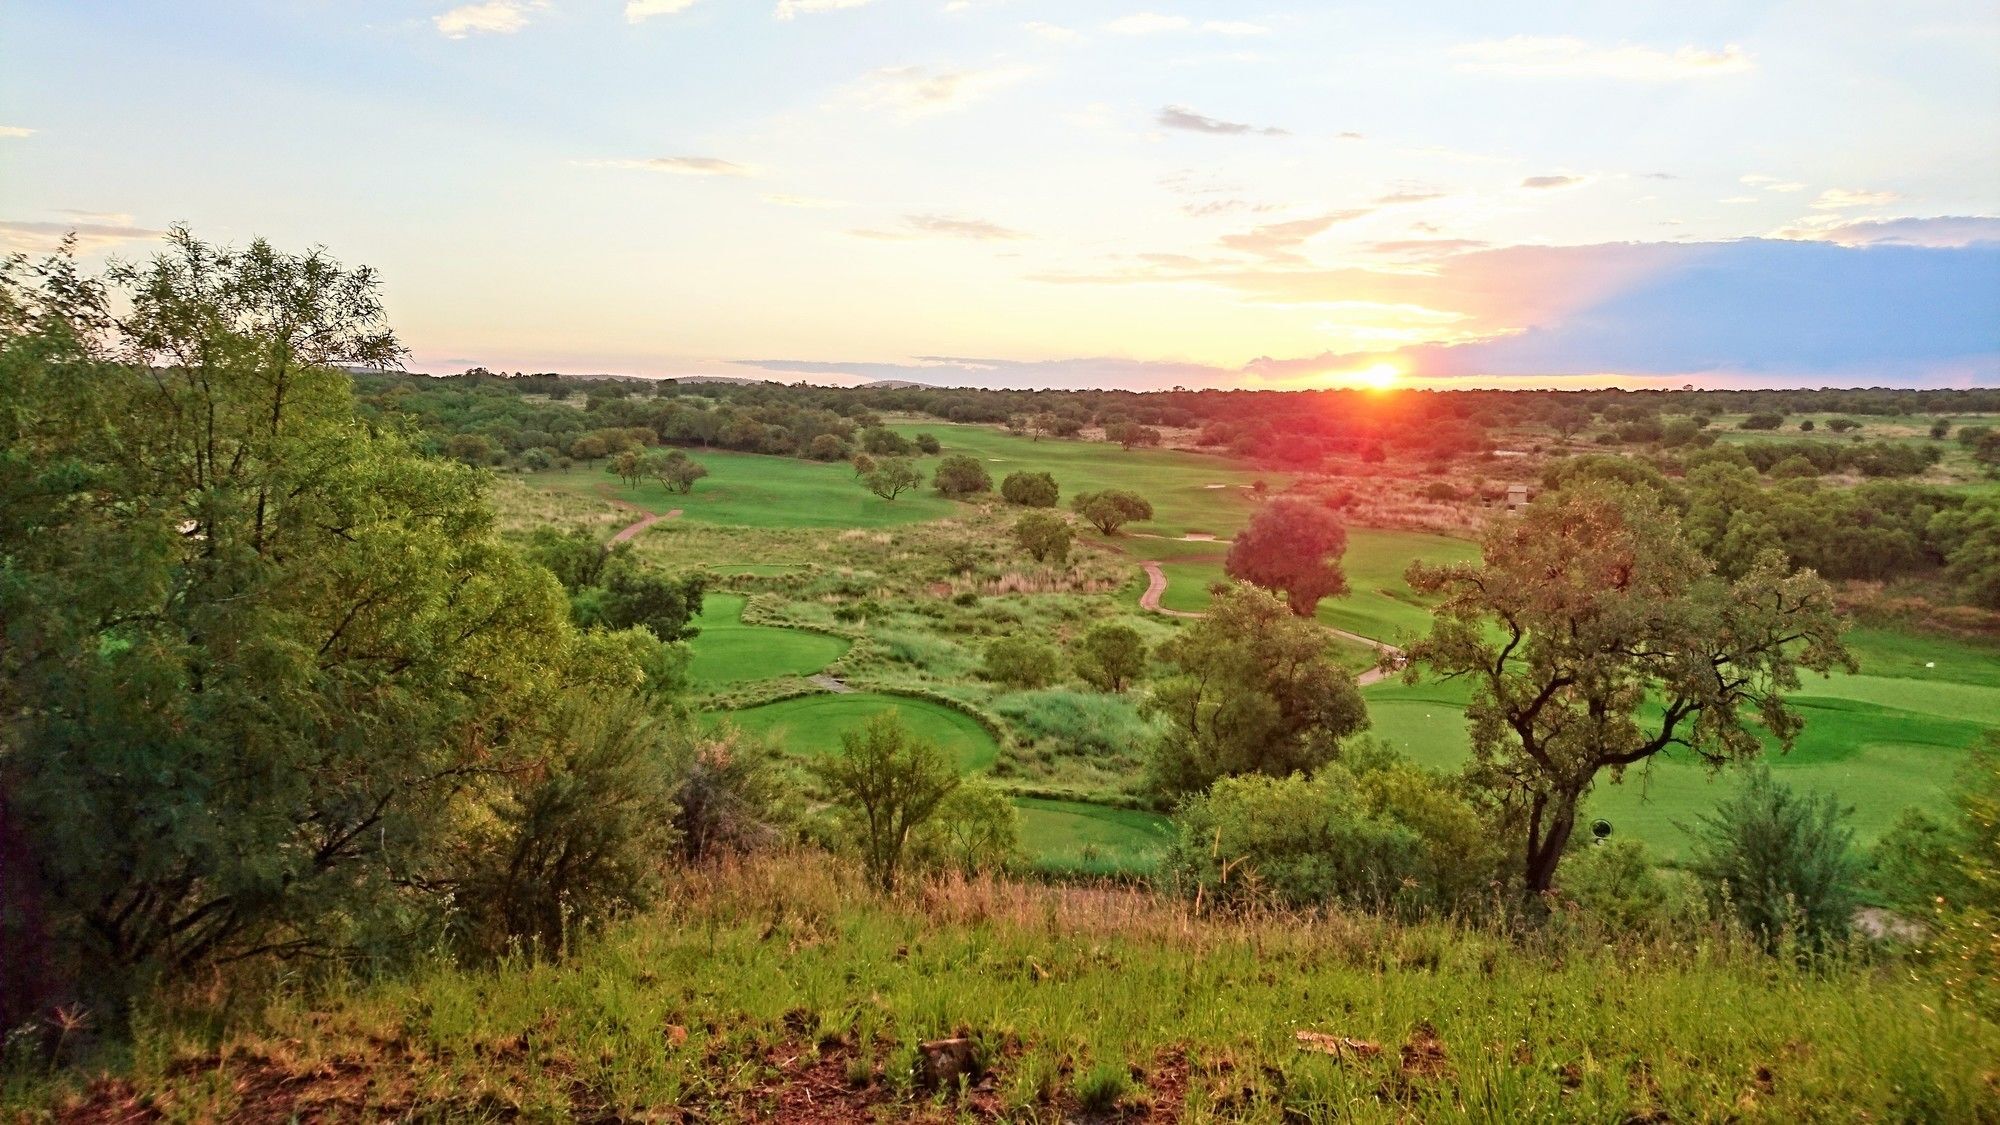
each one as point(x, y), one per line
point(896, 385)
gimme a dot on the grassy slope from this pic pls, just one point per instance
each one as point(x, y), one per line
point(729, 651)
point(813, 724)
point(784, 991)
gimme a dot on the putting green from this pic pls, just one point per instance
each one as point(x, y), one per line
point(727, 651)
point(812, 725)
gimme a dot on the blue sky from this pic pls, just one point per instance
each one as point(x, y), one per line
point(1018, 193)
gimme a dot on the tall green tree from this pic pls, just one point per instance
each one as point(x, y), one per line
point(1254, 689)
point(1594, 637)
point(256, 651)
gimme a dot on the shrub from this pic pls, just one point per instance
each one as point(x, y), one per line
point(578, 839)
point(1617, 884)
point(1020, 662)
point(1077, 722)
point(1112, 508)
point(1389, 838)
point(884, 442)
point(731, 797)
point(827, 447)
point(1030, 490)
point(976, 829)
point(887, 784)
point(1441, 491)
point(1784, 863)
point(927, 445)
point(1110, 657)
point(1044, 535)
point(1763, 420)
point(960, 475)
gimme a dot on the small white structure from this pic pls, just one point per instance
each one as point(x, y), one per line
point(1517, 497)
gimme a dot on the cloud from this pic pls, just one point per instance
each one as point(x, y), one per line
point(37, 237)
point(1834, 199)
point(1148, 23)
point(1226, 207)
point(1944, 231)
point(1281, 241)
point(1425, 249)
point(489, 17)
point(1547, 183)
point(1531, 56)
point(941, 226)
point(638, 11)
point(15, 131)
point(1154, 23)
point(914, 91)
point(677, 166)
point(1771, 183)
point(1181, 117)
point(791, 9)
point(808, 202)
point(1410, 194)
point(1052, 32)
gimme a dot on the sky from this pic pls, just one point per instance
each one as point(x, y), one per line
point(1024, 194)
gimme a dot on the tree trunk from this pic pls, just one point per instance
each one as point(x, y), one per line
point(1548, 835)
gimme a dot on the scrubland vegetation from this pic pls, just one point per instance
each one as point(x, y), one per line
point(489, 746)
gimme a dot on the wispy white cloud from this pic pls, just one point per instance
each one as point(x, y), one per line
point(1181, 117)
point(1551, 183)
point(809, 202)
point(488, 17)
point(1156, 23)
point(1535, 56)
point(1834, 199)
point(15, 131)
point(111, 230)
point(1052, 32)
point(1741, 199)
point(791, 9)
point(915, 91)
point(638, 11)
point(941, 226)
point(1943, 231)
point(677, 166)
point(1281, 241)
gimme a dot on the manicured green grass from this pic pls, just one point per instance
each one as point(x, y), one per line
point(728, 651)
point(783, 990)
point(1077, 836)
point(751, 490)
point(812, 725)
point(1381, 605)
point(1179, 485)
point(1879, 744)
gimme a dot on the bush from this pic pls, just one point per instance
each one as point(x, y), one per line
point(1020, 662)
point(1044, 535)
point(958, 476)
point(1110, 657)
point(1783, 863)
point(578, 839)
point(1077, 722)
point(1764, 420)
point(1112, 508)
point(1617, 885)
point(731, 797)
point(976, 829)
point(1030, 490)
point(927, 445)
point(887, 784)
point(827, 447)
point(1391, 837)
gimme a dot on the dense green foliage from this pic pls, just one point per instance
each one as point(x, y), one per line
point(1030, 490)
point(1784, 863)
point(888, 783)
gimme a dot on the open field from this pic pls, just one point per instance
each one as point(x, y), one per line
point(751, 490)
point(729, 651)
point(783, 991)
point(1190, 492)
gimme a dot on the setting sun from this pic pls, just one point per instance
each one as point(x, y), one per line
point(1379, 376)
